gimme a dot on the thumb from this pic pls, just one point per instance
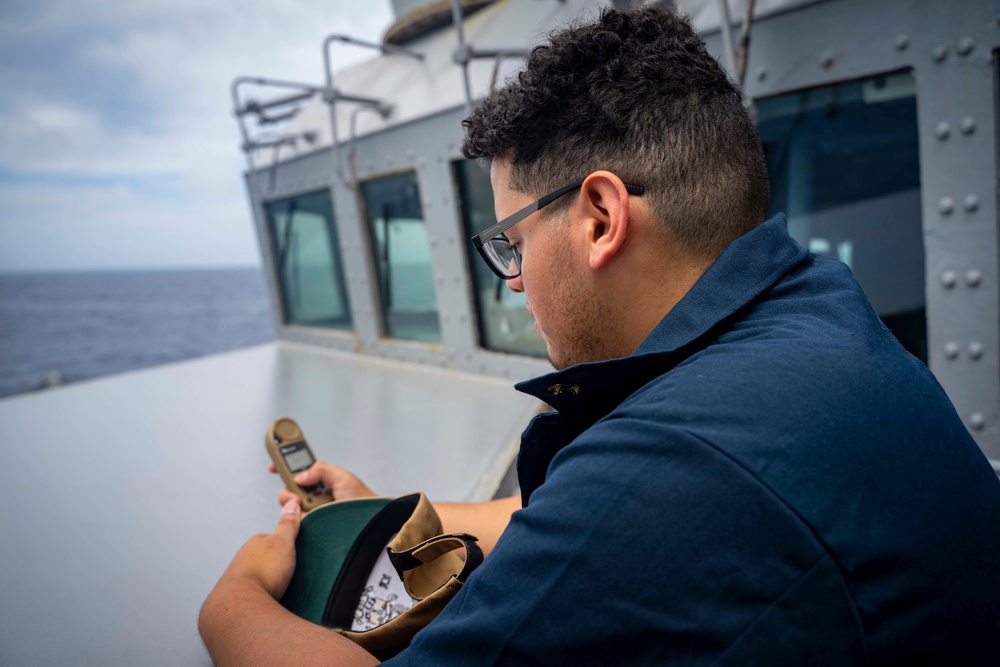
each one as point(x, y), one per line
point(309, 476)
point(288, 522)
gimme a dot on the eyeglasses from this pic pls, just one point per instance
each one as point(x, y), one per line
point(503, 258)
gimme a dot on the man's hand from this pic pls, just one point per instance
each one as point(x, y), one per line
point(269, 560)
point(344, 484)
point(242, 623)
point(484, 520)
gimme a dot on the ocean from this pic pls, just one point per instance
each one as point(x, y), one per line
point(67, 327)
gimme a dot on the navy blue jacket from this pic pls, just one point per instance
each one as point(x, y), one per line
point(770, 479)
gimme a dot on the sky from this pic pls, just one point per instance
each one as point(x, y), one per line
point(118, 147)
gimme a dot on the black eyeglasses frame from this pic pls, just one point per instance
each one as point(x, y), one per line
point(496, 232)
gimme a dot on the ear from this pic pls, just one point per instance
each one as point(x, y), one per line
point(605, 202)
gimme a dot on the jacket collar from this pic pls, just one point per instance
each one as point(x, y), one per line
point(747, 267)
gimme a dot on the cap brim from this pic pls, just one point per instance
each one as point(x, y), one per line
point(325, 539)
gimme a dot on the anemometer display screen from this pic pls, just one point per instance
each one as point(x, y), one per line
point(297, 456)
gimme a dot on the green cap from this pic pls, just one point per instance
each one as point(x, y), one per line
point(331, 537)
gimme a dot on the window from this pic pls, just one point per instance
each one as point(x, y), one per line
point(402, 257)
point(844, 166)
point(504, 322)
point(308, 261)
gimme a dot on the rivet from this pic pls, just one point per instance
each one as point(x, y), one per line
point(506, 372)
point(965, 45)
point(411, 155)
point(761, 73)
point(440, 159)
point(973, 277)
point(975, 350)
point(939, 53)
point(388, 160)
point(951, 350)
point(977, 421)
point(970, 203)
point(946, 205)
point(444, 200)
point(428, 205)
point(422, 162)
point(826, 60)
point(902, 41)
point(942, 131)
point(463, 319)
point(949, 279)
point(434, 240)
point(968, 125)
point(468, 356)
point(451, 240)
point(457, 280)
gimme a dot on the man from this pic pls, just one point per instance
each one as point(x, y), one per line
point(744, 466)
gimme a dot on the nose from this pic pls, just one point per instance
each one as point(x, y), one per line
point(515, 284)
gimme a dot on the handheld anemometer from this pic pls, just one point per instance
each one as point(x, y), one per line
point(291, 455)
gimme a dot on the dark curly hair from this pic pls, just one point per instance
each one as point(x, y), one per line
point(636, 93)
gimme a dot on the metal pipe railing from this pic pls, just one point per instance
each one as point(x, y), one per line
point(465, 52)
point(728, 47)
point(331, 96)
point(253, 106)
point(743, 54)
point(241, 109)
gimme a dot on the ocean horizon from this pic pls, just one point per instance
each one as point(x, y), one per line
point(61, 327)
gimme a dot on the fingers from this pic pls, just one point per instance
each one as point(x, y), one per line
point(285, 495)
point(312, 475)
point(328, 474)
point(343, 484)
point(318, 472)
point(288, 522)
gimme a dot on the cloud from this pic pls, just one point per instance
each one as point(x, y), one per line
point(131, 99)
point(116, 225)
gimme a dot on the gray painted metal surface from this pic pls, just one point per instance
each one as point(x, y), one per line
point(706, 15)
point(796, 44)
point(123, 499)
point(850, 39)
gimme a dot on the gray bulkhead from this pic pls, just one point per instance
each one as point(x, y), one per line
point(947, 49)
